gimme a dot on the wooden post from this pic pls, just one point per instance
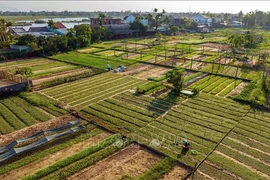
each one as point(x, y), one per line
point(236, 72)
point(191, 63)
point(182, 49)
point(203, 49)
point(164, 44)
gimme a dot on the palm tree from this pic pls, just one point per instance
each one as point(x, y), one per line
point(101, 18)
point(4, 24)
point(51, 24)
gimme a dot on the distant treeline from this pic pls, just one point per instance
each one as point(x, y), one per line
point(119, 14)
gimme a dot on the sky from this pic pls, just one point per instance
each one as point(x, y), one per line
point(141, 5)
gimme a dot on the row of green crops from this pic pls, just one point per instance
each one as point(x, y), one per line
point(81, 160)
point(216, 85)
point(89, 60)
point(17, 113)
point(89, 90)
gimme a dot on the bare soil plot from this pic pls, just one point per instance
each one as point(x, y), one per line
point(28, 131)
point(216, 46)
point(178, 172)
point(145, 71)
point(132, 161)
point(52, 158)
point(238, 89)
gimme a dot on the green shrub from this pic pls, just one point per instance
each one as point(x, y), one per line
point(257, 96)
point(196, 91)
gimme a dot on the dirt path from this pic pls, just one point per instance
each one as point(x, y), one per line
point(52, 158)
point(132, 161)
point(28, 131)
point(244, 165)
point(178, 172)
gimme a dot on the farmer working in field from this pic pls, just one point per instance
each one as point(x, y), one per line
point(186, 145)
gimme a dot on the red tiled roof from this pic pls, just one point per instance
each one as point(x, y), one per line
point(59, 25)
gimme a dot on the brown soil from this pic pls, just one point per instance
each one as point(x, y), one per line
point(238, 89)
point(178, 172)
point(52, 158)
point(216, 45)
point(146, 71)
point(28, 131)
point(153, 72)
point(132, 161)
point(137, 69)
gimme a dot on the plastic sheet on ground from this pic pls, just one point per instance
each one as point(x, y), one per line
point(40, 133)
point(33, 145)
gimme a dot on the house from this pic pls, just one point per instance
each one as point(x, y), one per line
point(16, 31)
point(235, 24)
point(39, 29)
point(202, 19)
point(107, 21)
point(61, 29)
point(175, 20)
point(132, 17)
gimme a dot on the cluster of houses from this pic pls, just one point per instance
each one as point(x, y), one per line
point(120, 27)
point(39, 31)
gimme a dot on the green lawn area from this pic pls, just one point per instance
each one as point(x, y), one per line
point(89, 60)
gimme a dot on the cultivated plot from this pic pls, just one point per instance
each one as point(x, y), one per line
point(87, 91)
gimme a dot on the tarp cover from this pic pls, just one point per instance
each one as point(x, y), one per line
point(44, 140)
point(40, 133)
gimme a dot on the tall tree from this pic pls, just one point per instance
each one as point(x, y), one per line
point(4, 24)
point(176, 77)
point(138, 26)
point(101, 18)
point(51, 24)
point(83, 34)
point(156, 19)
